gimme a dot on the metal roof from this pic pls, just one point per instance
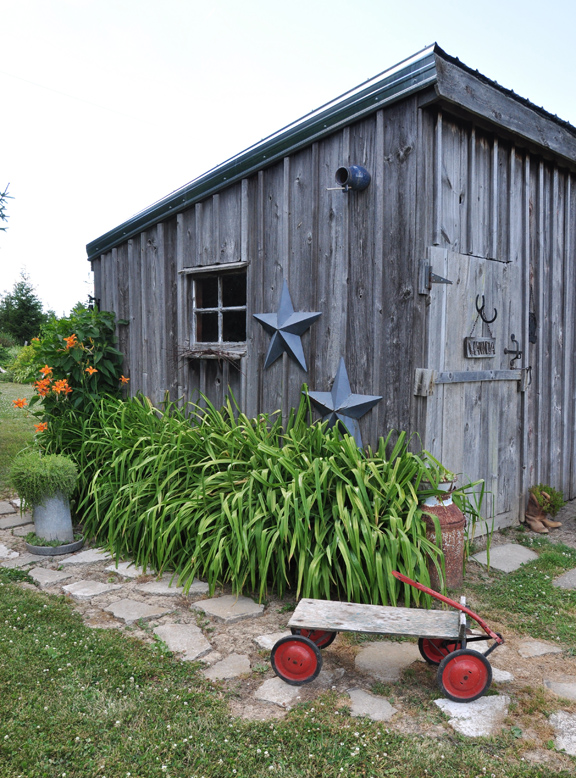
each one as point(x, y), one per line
point(411, 75)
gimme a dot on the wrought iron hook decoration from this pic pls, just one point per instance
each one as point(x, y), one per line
point(480, 309)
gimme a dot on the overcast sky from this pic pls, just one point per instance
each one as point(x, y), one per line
point(109, 105)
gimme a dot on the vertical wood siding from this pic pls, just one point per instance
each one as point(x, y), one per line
point(350, 256)
point(496, 201)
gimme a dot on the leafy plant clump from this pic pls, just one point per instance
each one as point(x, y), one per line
point(548, 498)
point(245, 502)
point(36, 477)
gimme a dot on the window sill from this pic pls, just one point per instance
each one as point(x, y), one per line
point(227, 351)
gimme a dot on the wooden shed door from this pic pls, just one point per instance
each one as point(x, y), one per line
point(474, 414)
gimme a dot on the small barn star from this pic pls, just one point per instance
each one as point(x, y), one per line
point(286, 328)
point(340, 406)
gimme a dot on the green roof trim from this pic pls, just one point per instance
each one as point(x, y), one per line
point(409, 76)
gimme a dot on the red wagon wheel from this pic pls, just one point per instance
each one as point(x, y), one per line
point(321, 637)
point(464, 675)
point(433, 650)
point(296, 659)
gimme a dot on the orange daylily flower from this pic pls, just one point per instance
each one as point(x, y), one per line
point(43, 386)
point(61, 387)
point(42, 427)
point(123, 379)
point(20, 402)
point(71, 341)
point(35, 340)
point(46, 370)
point(91, 370)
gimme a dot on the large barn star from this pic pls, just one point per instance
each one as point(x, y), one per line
point(286, 328)
point(340, 406)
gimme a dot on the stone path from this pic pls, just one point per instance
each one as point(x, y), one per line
point(232, 636)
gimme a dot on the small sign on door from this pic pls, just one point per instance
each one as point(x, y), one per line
point(479, 348)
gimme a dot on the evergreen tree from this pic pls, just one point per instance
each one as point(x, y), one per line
point(21, 312)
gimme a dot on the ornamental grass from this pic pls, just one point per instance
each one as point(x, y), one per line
point(213, 494)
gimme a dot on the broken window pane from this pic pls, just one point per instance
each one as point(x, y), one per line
point(234, 290)
point(233, 326)
point(207, 292)
point(207, 327)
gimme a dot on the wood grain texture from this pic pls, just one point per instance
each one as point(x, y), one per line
point(463, 90)
point(385, 620)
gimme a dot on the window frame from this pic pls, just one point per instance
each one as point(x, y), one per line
point(221, 347)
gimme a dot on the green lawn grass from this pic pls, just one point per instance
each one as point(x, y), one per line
point(16, 428)
point(80, 702)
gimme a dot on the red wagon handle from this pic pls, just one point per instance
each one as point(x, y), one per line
point(498, 638)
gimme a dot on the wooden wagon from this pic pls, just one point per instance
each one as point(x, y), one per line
point(443, 637)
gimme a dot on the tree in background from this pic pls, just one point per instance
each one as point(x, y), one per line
point(21, 314)
point(3, 215)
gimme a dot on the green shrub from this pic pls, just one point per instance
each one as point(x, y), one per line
point(24, 364)
point(36, 477)
point(548, 498)
point(78, 361)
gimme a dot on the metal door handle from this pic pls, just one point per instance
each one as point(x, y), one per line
point(517, 353)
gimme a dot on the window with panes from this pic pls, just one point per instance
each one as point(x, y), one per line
point(219, 308)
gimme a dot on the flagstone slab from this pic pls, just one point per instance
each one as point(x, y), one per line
point(198, 587)
point(21, 561)
point(128, 570)
point(46, 577)
point(531, 648)
point(370, 706)
point(6, 507)
point(563, 687)
point(386, 659)
point(7, 553)
point(565, 729)
point(231, 667)
point(161, 587)
point(88, 557)
point(278, 692)
point(85, 590)
point(566, 581)
point(269, 641)
point(230, 608)
point(507, 558)
point(501, 676)
point(185, 639)
point(479, 718)
point(130, 611)
point(22, 531)
point(16, 520)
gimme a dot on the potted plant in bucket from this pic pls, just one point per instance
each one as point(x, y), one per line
point(45, 483)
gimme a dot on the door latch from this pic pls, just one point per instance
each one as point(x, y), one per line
point(516, 351)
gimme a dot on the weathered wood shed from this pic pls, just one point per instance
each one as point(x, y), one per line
point(469, 182)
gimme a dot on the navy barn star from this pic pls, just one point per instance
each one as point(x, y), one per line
point(286, 328)
point(340, 406)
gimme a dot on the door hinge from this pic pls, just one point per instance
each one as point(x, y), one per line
point(426, 277)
